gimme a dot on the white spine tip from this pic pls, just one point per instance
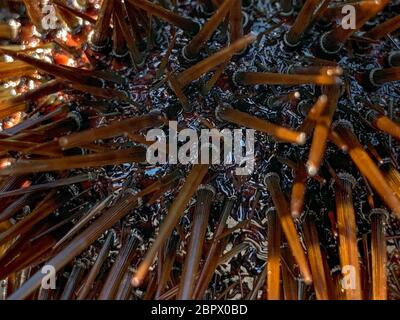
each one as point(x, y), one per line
point(302, 138)
point(311, 170)
point(295, 214)
point(323, 98)
point(135, 282)
point(253, 35)
point(308, 280)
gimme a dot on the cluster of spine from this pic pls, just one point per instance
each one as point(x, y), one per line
point(77, 100)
